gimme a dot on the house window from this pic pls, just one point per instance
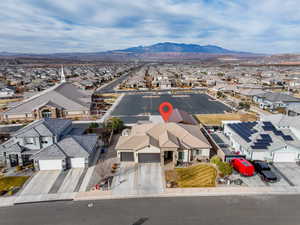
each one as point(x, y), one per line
point(180, 155)
point(29, 141)
point(44, 140)
point(46, 113)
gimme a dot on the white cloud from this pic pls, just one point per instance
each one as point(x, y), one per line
point(269, 26)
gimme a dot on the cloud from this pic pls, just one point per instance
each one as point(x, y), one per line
point(269, 26)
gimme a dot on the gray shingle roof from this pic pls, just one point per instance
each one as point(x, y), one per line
point(15, 148)
point(64, 95)
point(88, 142)
point(278, 97)
point(44, 127)
point(70, 146)
point(50, 152)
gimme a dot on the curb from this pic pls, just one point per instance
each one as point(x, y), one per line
point(207, 194)
point(43, 201)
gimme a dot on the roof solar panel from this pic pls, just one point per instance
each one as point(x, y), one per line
point(278, 132)
point(258, 147)
point(266, 136)
point(268, 128)
point(287, 138)
point(267, 123)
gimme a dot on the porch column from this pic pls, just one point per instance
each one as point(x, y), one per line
point(175, 157)
point(20, 159)
point(162, 158)
point(7, 161)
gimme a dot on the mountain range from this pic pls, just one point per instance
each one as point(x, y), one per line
point(155, 48)
point(166, 51)
point(178, 47)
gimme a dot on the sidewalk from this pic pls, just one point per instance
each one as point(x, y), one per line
point(109, 111)
point(186, 192)
point(13, 200)
point(169, 192)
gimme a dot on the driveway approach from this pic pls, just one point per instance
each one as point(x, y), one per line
point(138, 179)
point(41, 183)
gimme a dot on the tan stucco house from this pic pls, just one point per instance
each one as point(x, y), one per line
point(164, 143)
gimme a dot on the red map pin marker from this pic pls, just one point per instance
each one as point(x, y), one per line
point(165, 110)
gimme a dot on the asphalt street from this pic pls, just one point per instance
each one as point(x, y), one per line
point(233, 210)
point(112, 85)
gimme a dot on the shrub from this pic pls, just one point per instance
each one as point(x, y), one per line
point(94, 125)
point(19, 168)
point(225, 168)
point(215, 160)
point(220, 94)
point(244, 105)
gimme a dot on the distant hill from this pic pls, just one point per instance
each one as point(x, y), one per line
point(166, 51)
point(180, 48)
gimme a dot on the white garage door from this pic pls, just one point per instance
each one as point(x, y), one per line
point(77, 162)
point(50, 164)
point(285, 156)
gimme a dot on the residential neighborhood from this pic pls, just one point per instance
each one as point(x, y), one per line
point(110, 140)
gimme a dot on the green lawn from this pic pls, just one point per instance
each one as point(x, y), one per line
point(196, 176)
point(6, 183)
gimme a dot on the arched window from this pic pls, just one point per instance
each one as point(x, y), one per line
point(46, 113)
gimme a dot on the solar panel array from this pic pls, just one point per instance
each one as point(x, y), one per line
point(268, 126)
point(263, 142)
point(245, 130)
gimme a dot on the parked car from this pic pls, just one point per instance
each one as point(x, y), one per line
point(268, 176)
point(260, 165)
point(265, 172)
point(244, 167)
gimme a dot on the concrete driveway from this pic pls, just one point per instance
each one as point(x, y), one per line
point(41, 183)
point(289, 171)
point(138, 179)
point(71, 180)
point(256, 181)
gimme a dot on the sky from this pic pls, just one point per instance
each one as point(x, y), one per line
point(49, 26)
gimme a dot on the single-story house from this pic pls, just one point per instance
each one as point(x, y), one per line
point(274, 100)
point(262, 140)
point(163, 143)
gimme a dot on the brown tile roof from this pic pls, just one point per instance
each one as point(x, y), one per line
point(163, 135)
point(179, 116)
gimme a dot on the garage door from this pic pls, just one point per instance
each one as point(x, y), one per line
point(50, 164)
point(77, 162)
point(127, 157)
point(285, 156)
point(149, 157)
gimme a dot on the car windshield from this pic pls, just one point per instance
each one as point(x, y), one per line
point(245, 163)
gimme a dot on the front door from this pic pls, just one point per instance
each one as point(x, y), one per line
point(26, 160)
point(14, 160)
point(168, 156)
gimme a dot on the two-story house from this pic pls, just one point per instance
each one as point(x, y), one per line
point(50, 144)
